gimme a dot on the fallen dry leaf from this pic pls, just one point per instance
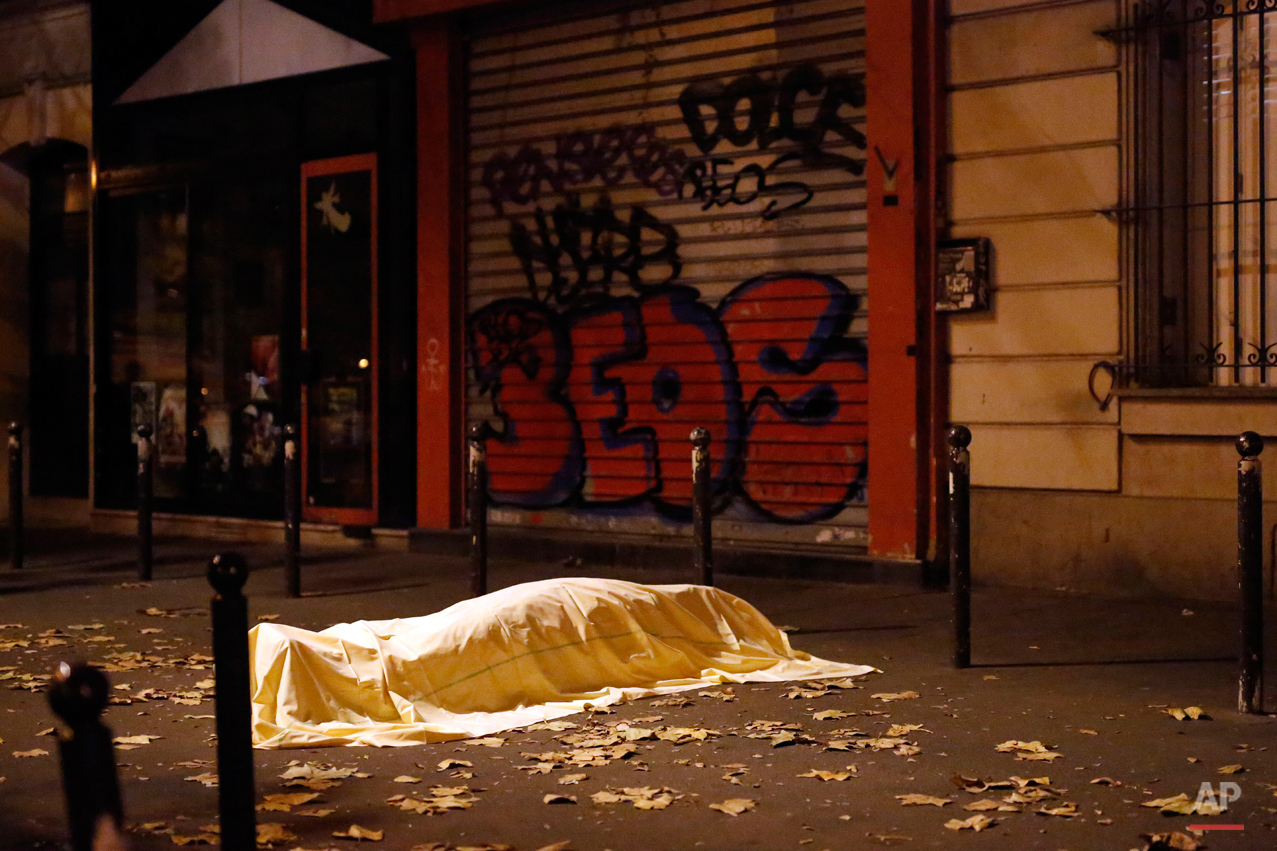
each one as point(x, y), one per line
point(285, 802)
point(1181, 805)
point(734, 806)
point(828, 775)
point(727, 695)
point(1106, 781)
point(31, 753)
point(557, 846)
point(571, 779)
point(197, 839)
point(914, 799)
point(487, 741)
point(359, 833)
point(896, 695)
point(553, 798)
point(1175, 841)
point(271, 832)
point(207, 778)
point(1066, 810)
point(404, 778)
point(987, 804)
point(1230, 769)
point(1034, 750)
point(1188, 713)
point(444, 765)
point(830, 714)
point(976, 823)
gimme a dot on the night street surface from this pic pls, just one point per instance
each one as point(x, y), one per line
point(1083, 684)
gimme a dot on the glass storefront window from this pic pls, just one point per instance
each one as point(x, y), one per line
point(195, 291)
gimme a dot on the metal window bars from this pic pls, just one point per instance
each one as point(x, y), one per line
point(1198, 118)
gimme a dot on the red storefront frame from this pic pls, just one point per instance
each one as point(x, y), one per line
point(907, 394)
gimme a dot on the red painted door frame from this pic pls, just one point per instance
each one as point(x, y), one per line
point(907, 398)
point(331, 514)
point(440, 273)
point(900, 41)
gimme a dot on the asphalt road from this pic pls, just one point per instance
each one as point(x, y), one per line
point(1090, 679)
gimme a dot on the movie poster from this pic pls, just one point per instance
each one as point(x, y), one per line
point(170, 431)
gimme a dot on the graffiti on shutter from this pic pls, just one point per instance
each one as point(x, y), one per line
point(667, 231)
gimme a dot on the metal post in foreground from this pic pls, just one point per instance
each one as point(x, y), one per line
point(960, 542)
point(145, 506)
point(292, 511)
point(478, 511)
point(1250, 576)
point(227, 573)
point(16, 543)
point(702, 511)
point(78, 695)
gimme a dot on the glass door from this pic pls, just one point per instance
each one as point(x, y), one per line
point(339, 340)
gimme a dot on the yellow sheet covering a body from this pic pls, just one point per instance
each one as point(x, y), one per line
point(511, 658)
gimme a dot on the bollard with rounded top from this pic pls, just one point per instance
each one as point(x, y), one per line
point(145, 503)
point(702, 510)
point(227, 573)
point(292, 511)
point(959, 438)
point(17, 544)
point(1250, 576)
point(78, 696)
point(478, 472)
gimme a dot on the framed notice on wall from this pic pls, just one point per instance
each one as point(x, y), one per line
point(339, 340)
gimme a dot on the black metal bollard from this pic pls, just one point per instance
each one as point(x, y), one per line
point(292, 511)
point(1250, 572)
point(702, 511)
point(17, 545)
point(478, 511)
point(78, 695)
point(960, 542)
point(227, 573)
point(145, 502)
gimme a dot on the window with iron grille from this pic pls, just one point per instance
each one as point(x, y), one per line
point(1201, 178)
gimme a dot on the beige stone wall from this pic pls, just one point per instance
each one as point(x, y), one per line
point(1137, 499)
point(1035, 160)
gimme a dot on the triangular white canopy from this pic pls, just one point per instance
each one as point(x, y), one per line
point(247, 41)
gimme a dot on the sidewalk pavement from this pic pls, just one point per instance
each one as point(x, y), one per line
point(1089, 678)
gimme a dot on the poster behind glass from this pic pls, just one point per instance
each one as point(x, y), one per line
point(339, 299)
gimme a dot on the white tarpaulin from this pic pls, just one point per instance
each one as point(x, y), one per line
point(517, 656)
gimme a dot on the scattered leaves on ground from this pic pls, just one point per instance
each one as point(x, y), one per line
point(642, 797)
point(831, 775)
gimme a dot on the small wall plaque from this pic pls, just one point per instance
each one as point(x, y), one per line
point(962, 275)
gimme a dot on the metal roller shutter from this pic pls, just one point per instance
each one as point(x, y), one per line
point(666, 229)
